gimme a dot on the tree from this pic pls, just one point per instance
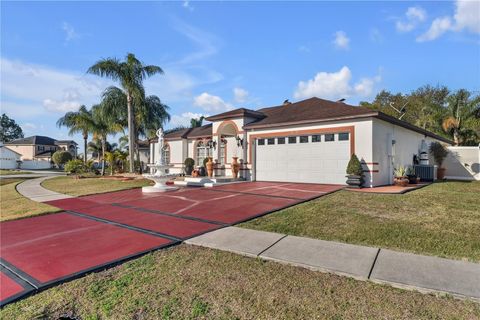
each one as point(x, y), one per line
point(9, 129)
point(196, 122)
point(460, 119)
point(130, 73)
point(61, 157)
point(80, 121)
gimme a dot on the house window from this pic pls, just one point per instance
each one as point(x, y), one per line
point(202, 152)
point(292, 139)
point(316, 138)
point(271, 141)
point(344, 136)
point(303, 139)
point(281, 140)
point(41, 148)
point(166, 154)
point(329, 137)
point(261, 142)
point(223, 145)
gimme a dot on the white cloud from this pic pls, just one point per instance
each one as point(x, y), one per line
point(413, 17)
point(186, 4)
point(335, 85)
point(240, 95)
point(211, 103)
point(439, 26)
point(341, 40)
point(184, 119)
point(467, 15)
point(70, 33)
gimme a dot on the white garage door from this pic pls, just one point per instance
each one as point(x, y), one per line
point(310, 158)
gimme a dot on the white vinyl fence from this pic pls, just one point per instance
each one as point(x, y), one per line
point(35, 164)
point(463, 163)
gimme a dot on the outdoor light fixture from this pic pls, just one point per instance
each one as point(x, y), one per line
point(239, 141)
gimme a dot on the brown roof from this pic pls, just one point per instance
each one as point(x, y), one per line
point(237, 113)
point(197, 132)
point(310, 110)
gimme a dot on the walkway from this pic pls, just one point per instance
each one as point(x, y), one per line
point(403, 270)
point(33, 190)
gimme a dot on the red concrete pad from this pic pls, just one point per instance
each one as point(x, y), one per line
point(119, 196)
point(235, 209)
point(72, 203)
point(8, 287)
point(248, 186)
point(198, 194)
point(314, 187)
point(298, 190)
point(74, 245)
point(176, 227)
point(167, 204)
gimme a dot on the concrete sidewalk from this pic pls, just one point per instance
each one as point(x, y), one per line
point(403, 270)
point(33, 190)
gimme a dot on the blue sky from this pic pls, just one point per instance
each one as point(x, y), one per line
point(221, 55)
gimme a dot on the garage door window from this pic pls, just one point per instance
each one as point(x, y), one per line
point(280, 140)
point(261, 142)
point(343, 136)
point(303, 139)
point(316, 138)
point(292, 139)
point(271, 141)
point(330, 137)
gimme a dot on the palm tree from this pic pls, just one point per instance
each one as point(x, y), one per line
point(130, 73)
point(79, 122)
point(101, 128)
point(196, 122)
point(460, 120)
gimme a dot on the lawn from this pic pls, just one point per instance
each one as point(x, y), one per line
point(80, 187)
point(442, 219)
point(4, 172)
point(187, 282)
point(14, 205)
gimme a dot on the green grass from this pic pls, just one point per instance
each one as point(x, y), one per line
point(4, 172)
point(85, 186)
point(14, 206)
point(442, 219)
point(187, 282)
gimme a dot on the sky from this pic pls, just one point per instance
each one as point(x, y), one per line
point(222, 55)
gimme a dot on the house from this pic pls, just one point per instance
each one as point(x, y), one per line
point(307, 141)
point(9, 159)
point(36, 151)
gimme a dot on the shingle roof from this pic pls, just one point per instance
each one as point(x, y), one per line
point(236, 113)
point(39, 140)
point(197, 132)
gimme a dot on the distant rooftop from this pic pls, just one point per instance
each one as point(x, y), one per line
point(39, 140)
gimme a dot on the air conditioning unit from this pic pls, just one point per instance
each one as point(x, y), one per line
point(426, 172)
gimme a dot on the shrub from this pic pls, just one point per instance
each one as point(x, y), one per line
point(61, 157)
point(76, 167)
point(354, 166)
point(410, 171)
point(438, 151)
point(400, 172)
point(189, 162)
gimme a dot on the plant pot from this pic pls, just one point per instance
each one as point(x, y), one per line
point(400, 181)
point(412, 179)
point(209, 166)
point(440, 173)
point(235, 167)
point(202, 172)
point(354, 181)
point(188, 171)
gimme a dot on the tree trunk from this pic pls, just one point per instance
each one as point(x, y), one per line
point(456, 138)
point(137, 151)
point(103, 157)
point(131, 133)
point(85, 138)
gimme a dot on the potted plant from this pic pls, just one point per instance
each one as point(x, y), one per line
point(439, 153)
point(189, 163)
point(235, 167)
point(412, 177)
point(400, 178)
point(354, 173)
point(209, 166)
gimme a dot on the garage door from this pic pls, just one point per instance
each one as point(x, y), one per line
point(321, 158)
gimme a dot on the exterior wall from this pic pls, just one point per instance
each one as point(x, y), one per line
point(8, 158)
point(387, 156)
point(361, 139)
point(27, 151)
point(463, 163)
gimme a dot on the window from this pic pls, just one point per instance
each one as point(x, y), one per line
point(166, 154)
point(223, 145)
point(292, 139)
point(329, 137)
point(281, 140)
point(271, 141)
point(202, 152)
point(303, 139)
point(316, 138)
point(344, 136)
point(261, 142)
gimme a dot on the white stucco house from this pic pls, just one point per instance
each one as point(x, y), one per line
point(307, 141)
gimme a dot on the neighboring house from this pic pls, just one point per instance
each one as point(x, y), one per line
point(9, 159)
point(307, 141)
point(36, 151)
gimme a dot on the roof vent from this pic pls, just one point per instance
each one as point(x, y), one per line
point(286, 102)
point(341, 100)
